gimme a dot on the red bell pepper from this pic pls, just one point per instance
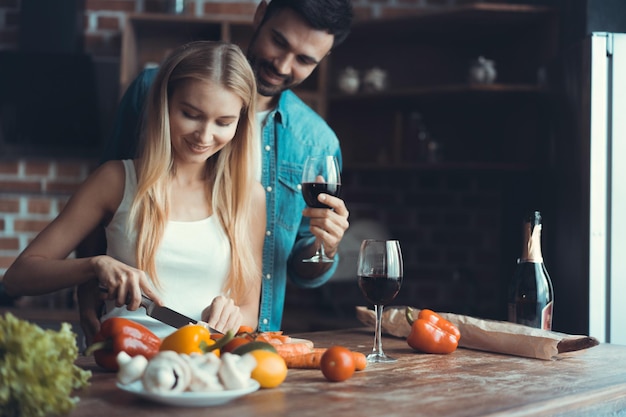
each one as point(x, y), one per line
point(120, 334)
point(431, 333)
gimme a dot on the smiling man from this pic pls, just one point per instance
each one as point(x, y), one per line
point(291, 38)
point(283, 55)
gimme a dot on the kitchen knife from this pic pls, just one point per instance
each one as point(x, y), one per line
point(168, 316)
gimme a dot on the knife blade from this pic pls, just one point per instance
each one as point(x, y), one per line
point(167, 315)
point(170, 317)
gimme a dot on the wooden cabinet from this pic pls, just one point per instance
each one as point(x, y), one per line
point(149, 37)
point(503, 125)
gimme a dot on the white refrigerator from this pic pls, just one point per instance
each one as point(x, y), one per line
point(607, 187)
point(588, 189)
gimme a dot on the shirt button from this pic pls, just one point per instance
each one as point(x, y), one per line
point(299, 186)
point(269, 188)
point(265, 321)
point(268, 276)
point(267, 147)
point(268, 232)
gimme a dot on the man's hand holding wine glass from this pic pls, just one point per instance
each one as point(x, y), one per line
point(321, 188)
point(328, 226)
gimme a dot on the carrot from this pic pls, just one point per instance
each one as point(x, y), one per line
point(292, 349)
point(274, 338)
point(313, 359)
point(360, 361)
point(307, 360)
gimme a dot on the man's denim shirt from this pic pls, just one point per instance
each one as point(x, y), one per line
point(291, 132)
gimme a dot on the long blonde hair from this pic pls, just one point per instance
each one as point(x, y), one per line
point(229, 173)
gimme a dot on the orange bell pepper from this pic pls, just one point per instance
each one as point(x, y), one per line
point(442, 323)
point(431, 333)
point(194, 338)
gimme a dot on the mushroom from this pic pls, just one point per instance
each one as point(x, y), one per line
point(236, 370)
point(130, 368)
point(204, 369)
point(167, 372)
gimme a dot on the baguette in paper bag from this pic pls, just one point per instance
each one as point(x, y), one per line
point(488, 335)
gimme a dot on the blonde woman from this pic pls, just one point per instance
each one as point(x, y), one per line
point(185, 221)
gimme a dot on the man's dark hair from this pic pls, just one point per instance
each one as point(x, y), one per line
point(332, 16)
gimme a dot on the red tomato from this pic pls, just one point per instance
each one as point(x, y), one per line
point(233, 344)
point(337, 364)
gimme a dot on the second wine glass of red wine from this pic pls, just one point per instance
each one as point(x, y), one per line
point(320, 175)
point(380, 270)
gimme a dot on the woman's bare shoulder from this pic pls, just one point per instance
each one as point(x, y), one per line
point(107, 182)
point(111, 170)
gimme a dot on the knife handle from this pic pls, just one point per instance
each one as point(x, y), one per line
point(145, 301)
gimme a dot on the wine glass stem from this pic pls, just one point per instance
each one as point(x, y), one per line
point(320, 250)
point(378, 343)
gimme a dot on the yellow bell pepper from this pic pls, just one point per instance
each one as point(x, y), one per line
point(194, 338)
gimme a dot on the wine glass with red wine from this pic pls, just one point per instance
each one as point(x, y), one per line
point(380, 271)
point(320, 175)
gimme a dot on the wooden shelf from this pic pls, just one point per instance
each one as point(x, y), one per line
point(427, 57)
point(443, 90)
point(442, 166)
point(473, 20)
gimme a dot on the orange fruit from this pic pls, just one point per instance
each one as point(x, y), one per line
point(270, 370)
point(337, 364)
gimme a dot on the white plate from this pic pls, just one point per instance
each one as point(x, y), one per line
point(190, 399)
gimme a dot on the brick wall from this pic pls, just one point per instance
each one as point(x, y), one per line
point(453, 228)
point(32, 193)
point(449, 227)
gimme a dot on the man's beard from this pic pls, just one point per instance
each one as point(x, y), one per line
point(259, 67)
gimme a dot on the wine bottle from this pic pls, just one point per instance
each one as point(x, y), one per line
point(531, 296)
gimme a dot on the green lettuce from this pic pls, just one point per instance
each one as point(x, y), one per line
point(37, 370)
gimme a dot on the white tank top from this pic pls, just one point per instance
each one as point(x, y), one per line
point(261, 117)
point(192, 261)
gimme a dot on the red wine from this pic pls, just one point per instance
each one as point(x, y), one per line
point(530, 294)
point(379, 289)
point(310, 191)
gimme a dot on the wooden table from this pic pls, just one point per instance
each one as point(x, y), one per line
point(465, 383)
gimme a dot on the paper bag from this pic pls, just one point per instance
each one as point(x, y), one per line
point(487, 335)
